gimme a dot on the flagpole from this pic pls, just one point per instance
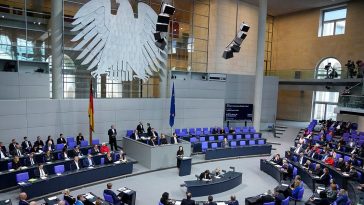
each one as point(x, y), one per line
point(90, 113)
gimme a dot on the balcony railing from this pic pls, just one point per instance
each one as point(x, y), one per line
point(351, 101)
point(308, 74)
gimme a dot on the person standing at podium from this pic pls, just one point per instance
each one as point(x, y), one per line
point(112, 138)
point(180, 154)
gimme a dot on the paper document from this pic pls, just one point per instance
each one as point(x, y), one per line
point(127, 191)
point(59, 174)
point(10, 170)
point(320, 187)
point(21, 183)
point(122, 189)
point(220, 203)
point(177, 203)
point(117, 162)
point(52, 198)
point(285, 185)
point(32, 180)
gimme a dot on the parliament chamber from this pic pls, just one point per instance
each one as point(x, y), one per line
point(181, 102)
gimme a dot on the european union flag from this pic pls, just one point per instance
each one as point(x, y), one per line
point(172, 112)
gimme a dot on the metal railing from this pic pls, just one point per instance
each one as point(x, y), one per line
point(351, 101)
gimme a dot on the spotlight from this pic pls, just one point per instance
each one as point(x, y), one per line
point(228, 54)
point(162, 27)
point(163, 18)
point(161, 44)
point(242, 35)
point(167, 9)
point(159, 35)
point(244, 27)
point(235, 47)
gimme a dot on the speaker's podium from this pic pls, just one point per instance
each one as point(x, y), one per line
point(185, 166)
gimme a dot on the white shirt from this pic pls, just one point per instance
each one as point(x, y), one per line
point(42, 173)
point(2, 154)
point(175, 140)
point(90, 162)
point(18, 152)
point(27, 143)
point(77, 165)
point(301, 160)
point(31, 161)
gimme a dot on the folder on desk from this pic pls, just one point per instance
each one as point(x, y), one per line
point(177, 203)
point(32, 180)
point(52, 198)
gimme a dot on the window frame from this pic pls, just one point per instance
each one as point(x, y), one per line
point(322, 19)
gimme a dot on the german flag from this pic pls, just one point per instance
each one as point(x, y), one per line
point(91, 109)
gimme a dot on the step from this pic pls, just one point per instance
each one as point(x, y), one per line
point(281, 126)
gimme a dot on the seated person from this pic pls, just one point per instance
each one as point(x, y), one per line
point(95, 150)
point(26, 145)
point(49, 146)
point(75, 164)
point(3, 152)
point(217, 172)
point(16, 163)
point(174, 139)
point(61, 139)
point(79, 138)
point(39, 144)
point(329, 160)
point(17, 151)
point(163, 139)
point(108, 158)
point(104, 148)
point(153, 137)
point(347, 167)
point(352, 173)
point(188, 200)
point(76, 151)
point(110, 192)
point(40, 172)
point(48, 157)
point(307, 165)
point(266, 198)
point(30, 161)
point(205, 175)
point(214, 131)
point(231, 130)
point(64, 154)
point(232, 201)
point(340, 165)
point(322, 200)
point(298, 179)
point(287, 170)
point(135, 135)
point(68, 198)
point(277, 159)
point(318, 171)
point(122, 156)
point(301, 159)
point(165, 200)
point(324, 178)
point(296, 188)
point(222, 131)
point(210, 200)
point(225, 143)
point(88, 162)
point(342, 197)
point(23, 199)
point(332, 192)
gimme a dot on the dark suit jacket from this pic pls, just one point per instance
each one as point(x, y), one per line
point(112, 194)
point(340, 165)
point(69, 199)
point(11, 147)
point(140, 129)
point(23, 203)
point(86, 162)
point(325, 179)
point(203, 176)
point(188, 202)
point(28, 163)
point(132, 136)
point(266, 198)
point(79, 139)
point(110, 133)
point(211, 203)
point(279, 198)
point(73, 165)
point(107, 161)
point(37, 143)
point(15, 152)
point(94, 152)
point(75, 153)
point(163, 141)
point(45, 148)
point(149, 131)
point(61, 140)
point(24, 146)
point(172, 140)
point(3, 149)
point(37, 172)
point(233, 203)
point(16, 165)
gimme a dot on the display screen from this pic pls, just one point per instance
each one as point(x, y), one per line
point(236, 112)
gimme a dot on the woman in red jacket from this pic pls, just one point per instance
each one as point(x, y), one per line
point(330, 160)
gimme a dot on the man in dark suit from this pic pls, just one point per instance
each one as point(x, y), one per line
point(61, 140)
point(233, 200)
point(149, 130)
point(205, 175)
point(188, 200)
point(40, 172)
point(340, 165)
point(12, 146)
point(23, 199)
point(112, 138)
point(95, 150)
point(153, 137)
point(109, 191)
point(17, 151)
point(76, 152)
point(318, 171)
point(26, 145)
point(30, 161)
point(210, 200)
point(135, 135)
point(88, 162)
point(3, 153)
point(324, 178)
point(140, 128)
point(39, 143)
point(76, 165)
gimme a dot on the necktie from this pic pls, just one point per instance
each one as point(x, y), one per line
point(19, 153)
point(31, 161)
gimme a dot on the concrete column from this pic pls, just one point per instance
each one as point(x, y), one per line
point(260, 64)
point(57, 48)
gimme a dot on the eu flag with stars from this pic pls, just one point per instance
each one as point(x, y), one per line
point(172, 112)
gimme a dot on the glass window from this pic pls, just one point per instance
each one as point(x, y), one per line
point(329, 68)
point(333, 22)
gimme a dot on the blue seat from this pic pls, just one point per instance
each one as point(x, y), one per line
point(251, 142)
point(22, 177)
point(59, 147)
point(129, 133)
point(242, 143)
point(214, 145)
point(230, 137)
point(177, 131)
point(285, 202)
point(193, 139)
point(245, 130)
point(59, 169)
point(233, 144)
point(220, 138)
point(102, 161)
point(338, 156)
point(359, 176)
point(211, 138)
point(256, 136)
point(84, 143)
point(202, 139)
point(294, 173)
point(206, 132)
point(294, 158)
point(89, 151)
point(237, 129)
point(191, 130)
point(108, 198)
point(238, 137)
point(204, 146)
point(346, 158)
point(299, 195)
point(95, 142)
point(71, 144)
point(198, 129)
point(10, 165)
point(198, 133)
point(205, 129)
point(59, 156)
point(184, 130)
point(261, 142)
point(248, 136)
point(70, 139)
point(270, 203)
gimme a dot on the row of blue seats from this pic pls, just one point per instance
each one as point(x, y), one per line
point(71, 143)
point(221, 138)
point(214, 145)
